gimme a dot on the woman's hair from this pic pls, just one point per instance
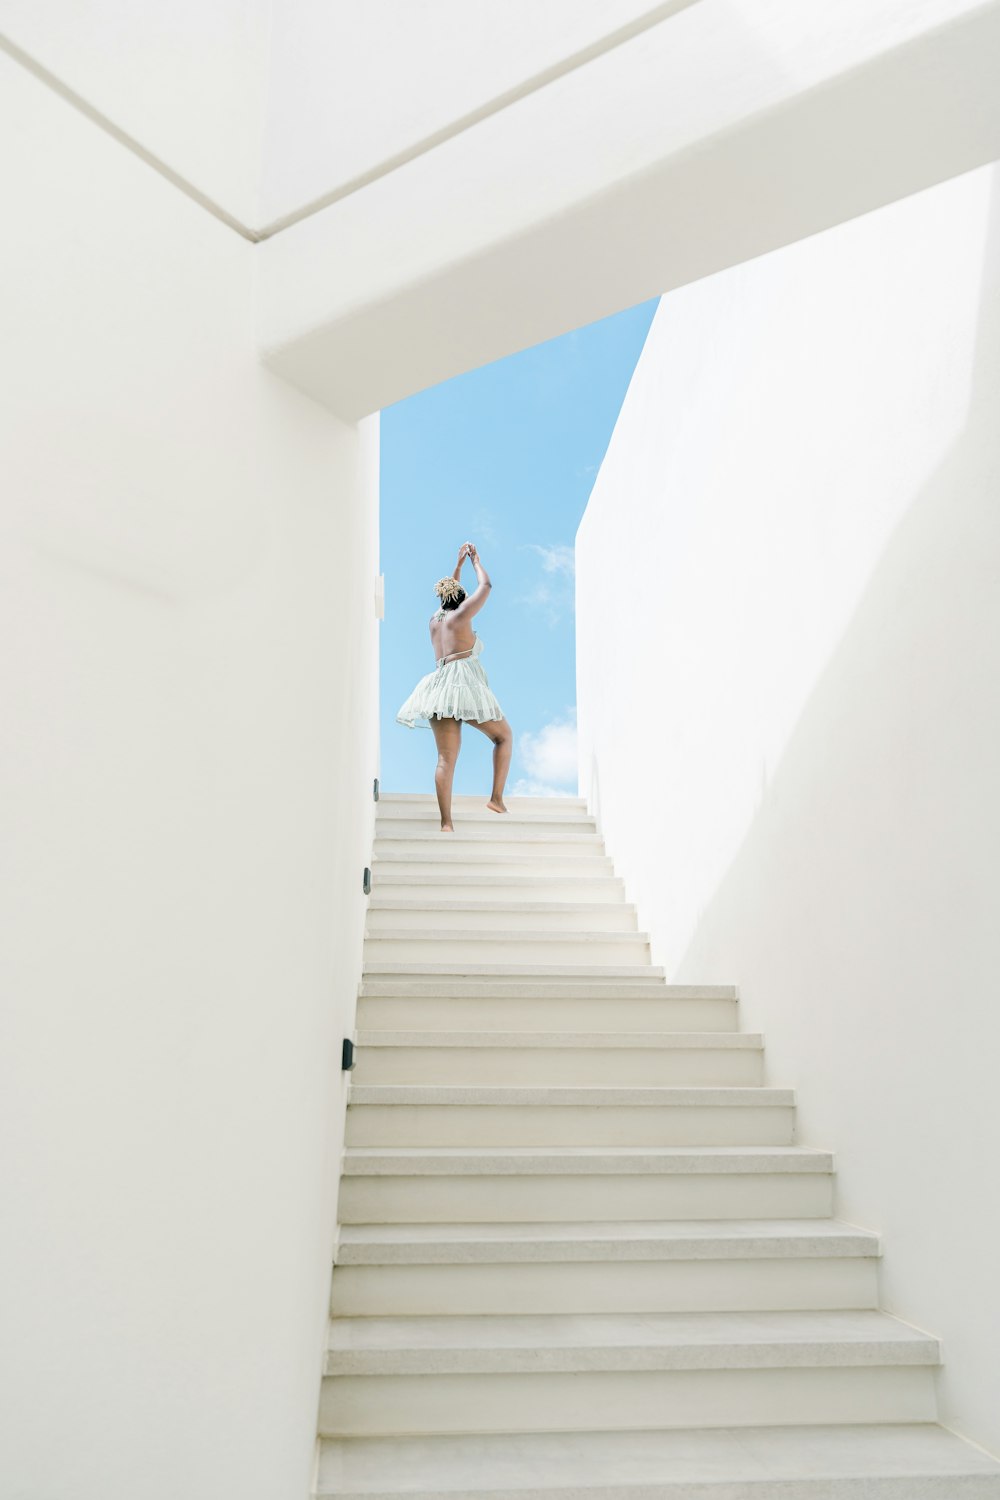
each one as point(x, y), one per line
point(450, 592)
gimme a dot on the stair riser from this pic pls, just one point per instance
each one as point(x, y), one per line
point(422, 804)
point(610, 918)
point(632, 985)
point(567, 1125)
point(391, 882)
point(417, 1013)
point(539, 853)
point(492, 826)
point(551, 1199)
point(580, 1402)
point(506, 948)
point(580, 1067)
point(936, 1487)
point(784, 1285)
point(879, 1487)
point(457, 861)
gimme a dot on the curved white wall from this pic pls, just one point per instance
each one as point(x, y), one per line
point(187, 562)
point(789, 707)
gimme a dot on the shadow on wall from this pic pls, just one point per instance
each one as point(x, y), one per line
point(869, 740)
point(861, 912)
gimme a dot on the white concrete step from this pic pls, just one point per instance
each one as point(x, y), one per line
point(918, 1461)
point(529, 1344)
point(638, 1004)
point(411, 1185)
point(510, 982)
point(429, 1115)
point(479, 822)
point(442, 971)
point(558, 1372)
point(423, 911)
point(634, 1266)
point(446, 946)
point(626, 1240)
point(544, 1013)
point(423, 805)
point(578, 844)
point(458, 861)
point(394, 879)
point(574, 1059)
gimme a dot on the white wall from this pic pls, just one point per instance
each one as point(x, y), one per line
point(789, 706)
point(187, 562)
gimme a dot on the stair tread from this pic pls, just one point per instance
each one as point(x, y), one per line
point(644, 983)
point(525, 831)
point(509, 1160)
point(631, 1465)
point(513, 971)
point(729, 1096)
point(404, 826)
point(611, 1231)
point(511, 935)
point(467, 799)
point(533, 1342)
point(591, 1040)
point(399, 903)
point(611, 1241)
point(521, 881)
point(458, 854)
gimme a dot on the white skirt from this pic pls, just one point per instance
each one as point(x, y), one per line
point(457, 690)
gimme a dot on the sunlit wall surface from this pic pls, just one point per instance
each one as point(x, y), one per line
point(186, 569)
point(797, 772)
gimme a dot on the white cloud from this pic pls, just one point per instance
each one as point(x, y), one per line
point(525, 788)
point(551, 597)
point(549, 757)
point(558, 559)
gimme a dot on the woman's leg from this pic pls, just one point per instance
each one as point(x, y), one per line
point(500, 732)
point(448, 735)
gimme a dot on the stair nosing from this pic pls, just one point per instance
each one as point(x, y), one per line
point(680, 1041)
point(751, 1096)
point(501, 935)
point(643, 1161)
point(598, 1243)
point(550, 1343)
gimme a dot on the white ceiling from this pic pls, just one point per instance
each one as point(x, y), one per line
point(265, 106)
point(184, 79)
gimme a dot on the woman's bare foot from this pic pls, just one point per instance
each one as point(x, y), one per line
point(496, 804)
point(447, 828)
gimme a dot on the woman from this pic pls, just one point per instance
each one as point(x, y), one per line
point(457, 691)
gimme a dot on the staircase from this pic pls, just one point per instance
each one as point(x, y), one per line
point(581, 1256)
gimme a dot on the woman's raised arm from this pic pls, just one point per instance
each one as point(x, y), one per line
point(474, 603)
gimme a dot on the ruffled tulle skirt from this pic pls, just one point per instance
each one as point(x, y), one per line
point(458, 690)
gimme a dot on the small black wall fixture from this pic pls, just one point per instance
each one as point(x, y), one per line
point(347, 1056)
point(375, 790)
point(366, 881)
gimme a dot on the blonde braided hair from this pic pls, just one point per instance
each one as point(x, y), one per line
point(448, 589)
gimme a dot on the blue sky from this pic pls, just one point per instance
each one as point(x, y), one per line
point(506, 457)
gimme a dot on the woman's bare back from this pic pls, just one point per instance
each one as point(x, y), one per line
point(452, 633)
